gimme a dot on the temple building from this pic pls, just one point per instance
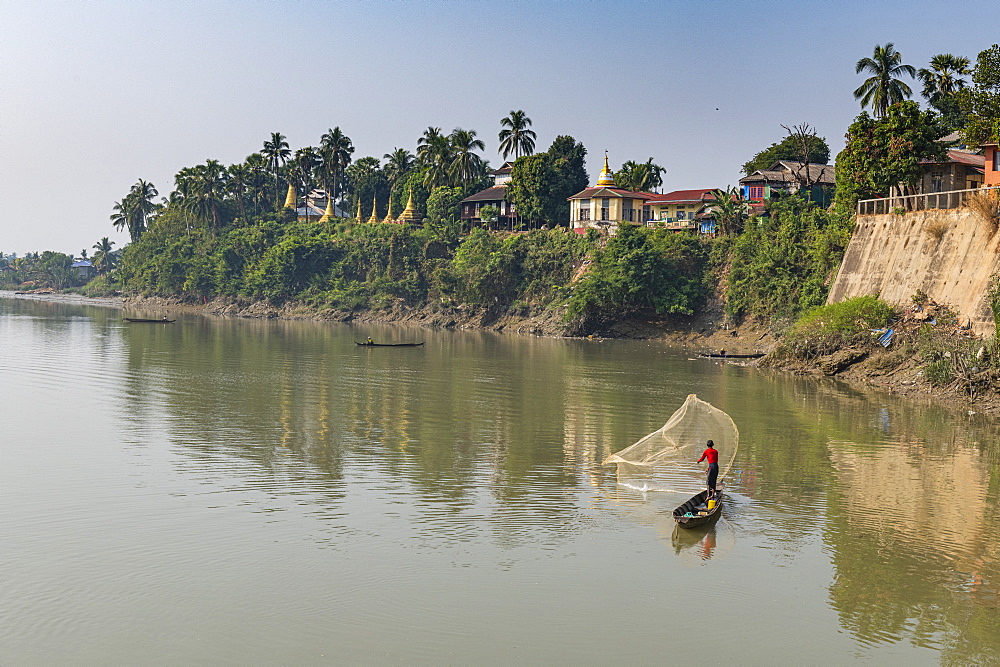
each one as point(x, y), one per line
point(605, 205)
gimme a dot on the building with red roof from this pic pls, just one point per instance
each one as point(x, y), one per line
point(684, 210)
point(961, 170)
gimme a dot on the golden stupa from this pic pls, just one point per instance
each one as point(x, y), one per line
point(328, 213)
point(607, 178)
point(358, 216)
point(388, 214)
point(290, 197)
point(409, 213)
point(374, 219)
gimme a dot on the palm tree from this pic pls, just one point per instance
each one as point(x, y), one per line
point(639, 176)
point(207, 192)
point(398, 164)
point(730, 209)
point(434, 152)
point(883, 89)
point(943, 78)
point(122, 213)
point(276, 153)
point(466, 167)
point(105, 258)
point(335, 155)
point(515, 137)
point(144, 205)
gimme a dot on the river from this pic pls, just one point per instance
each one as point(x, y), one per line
point(237, 491)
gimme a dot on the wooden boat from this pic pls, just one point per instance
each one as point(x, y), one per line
point(388, 344)
point(755, 355)
point(695, 511)
point(145, 321)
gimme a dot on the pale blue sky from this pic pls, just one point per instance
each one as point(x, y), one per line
point(95, 95)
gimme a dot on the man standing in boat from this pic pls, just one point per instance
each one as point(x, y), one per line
point(711, 454)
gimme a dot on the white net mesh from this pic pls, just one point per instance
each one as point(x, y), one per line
point(666, 459)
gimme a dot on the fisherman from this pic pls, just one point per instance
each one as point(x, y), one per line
point(711, 454)
point(369, 341)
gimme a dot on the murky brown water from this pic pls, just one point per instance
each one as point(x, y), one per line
point(216, 491)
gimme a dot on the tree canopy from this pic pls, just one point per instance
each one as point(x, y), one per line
point(981, 100)
point(541, 183)
point(790, 148)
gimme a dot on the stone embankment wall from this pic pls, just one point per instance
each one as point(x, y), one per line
point(949, 254)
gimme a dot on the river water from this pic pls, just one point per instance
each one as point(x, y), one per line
point(231, 491)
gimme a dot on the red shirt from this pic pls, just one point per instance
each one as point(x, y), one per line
point(711, 454)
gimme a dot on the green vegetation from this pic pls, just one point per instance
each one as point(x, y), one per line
point(883, 89)
point(980, 102)
point(817, 151)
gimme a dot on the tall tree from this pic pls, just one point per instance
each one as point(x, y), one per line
point(730, 210)
point(515, 137)
point(466, 165)
point(105, 258)
point(434, 151)
point(639, 176)
point(541, 183)
point(883, 88)
point(335, 151)
point(276, 152)
point(980, 102)
point(206, 192)
point(942, 82)
point(397, 165)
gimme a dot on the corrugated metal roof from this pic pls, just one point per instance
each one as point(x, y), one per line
point(618, 193)
point(495, 193)
point(684, 197)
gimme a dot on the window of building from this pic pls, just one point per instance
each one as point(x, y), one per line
point(996, 159)
point(756, 192)
point(628, 213)
point(605, 209)
point(681, 214)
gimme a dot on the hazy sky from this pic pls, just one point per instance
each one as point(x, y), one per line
point(95, 95)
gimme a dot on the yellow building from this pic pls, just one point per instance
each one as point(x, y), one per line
point(605, 205)
point(684, 210)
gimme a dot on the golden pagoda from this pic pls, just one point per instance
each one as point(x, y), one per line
point(328, 213)
point(606, 179)
point(374, 219)
point(388, 214)
point(290, 197)
point(358, 216)
point(409, 213)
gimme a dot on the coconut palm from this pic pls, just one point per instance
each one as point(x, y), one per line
point(207, 192)
point(105, 258)
point(434, 152)
point(276, 154)
point(397, 164)
point(944, 77)
point(883, 89)
point(466, 166)
point(335, 152)
point(515, 137)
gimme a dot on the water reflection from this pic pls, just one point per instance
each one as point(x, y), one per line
point(480, 453)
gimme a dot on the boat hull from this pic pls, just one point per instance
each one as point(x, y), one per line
point(694, 507)
point(388, 344)
point(137, 320)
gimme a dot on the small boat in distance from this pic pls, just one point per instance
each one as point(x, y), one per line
point(696, 511)
point(366, 344)
point(146, 321)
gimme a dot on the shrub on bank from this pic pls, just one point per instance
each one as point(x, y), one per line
point(825, 329)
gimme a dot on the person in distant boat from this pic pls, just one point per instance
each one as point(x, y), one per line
point(711, 454)
point(370, 341)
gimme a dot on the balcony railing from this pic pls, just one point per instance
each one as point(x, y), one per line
point(923, 202)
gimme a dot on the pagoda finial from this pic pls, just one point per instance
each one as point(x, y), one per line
point(607, 178)
point(374, 219)
point(290, 197)
point(388, 213)
point(359, 209)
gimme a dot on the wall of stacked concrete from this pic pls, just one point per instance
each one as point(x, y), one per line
point(950, 255)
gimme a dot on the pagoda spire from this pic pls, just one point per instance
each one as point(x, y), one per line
point(409, 213)
point(374, 219)
point(358, 216)
point(388, 214)
point(328, 213)
point(290, 197)
point(607, 177)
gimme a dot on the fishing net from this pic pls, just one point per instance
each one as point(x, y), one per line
point(666, 459)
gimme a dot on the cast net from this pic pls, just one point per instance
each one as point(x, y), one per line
point(665, 460)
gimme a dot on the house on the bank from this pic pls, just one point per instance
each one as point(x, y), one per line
point(684, 210)
point(495, 195)
point(605, 205)
point(84, 269)
point(813, 182)
point(960, 170)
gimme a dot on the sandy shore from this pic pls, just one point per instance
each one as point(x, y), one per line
point(77, 299)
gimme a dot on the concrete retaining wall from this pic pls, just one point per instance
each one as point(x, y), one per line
point(896, 255)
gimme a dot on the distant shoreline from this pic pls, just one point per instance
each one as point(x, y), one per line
point(77, 299)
